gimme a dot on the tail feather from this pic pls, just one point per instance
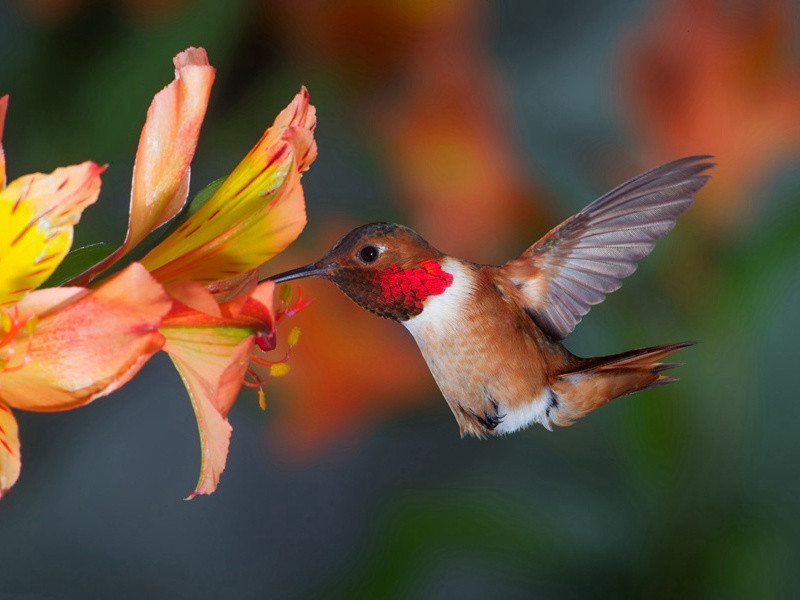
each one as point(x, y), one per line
point(596, 381)
point(660, 367)
point(650, 354)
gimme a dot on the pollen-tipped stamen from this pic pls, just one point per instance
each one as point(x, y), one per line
point(257, 384)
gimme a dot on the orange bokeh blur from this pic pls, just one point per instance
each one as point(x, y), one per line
point(722, 78)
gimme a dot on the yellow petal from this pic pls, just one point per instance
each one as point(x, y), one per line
point(3, 108)
point(37, 213)
point(85, 344)
point(9, 450)
point(257, 211)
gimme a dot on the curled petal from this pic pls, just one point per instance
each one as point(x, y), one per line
point(85, 344)
point(3, 108)
point(9, 449)
point(166, 148)
point(37, 213)
point(257, 211)
point(302, 117)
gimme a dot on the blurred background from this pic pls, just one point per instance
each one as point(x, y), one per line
point(481, 125)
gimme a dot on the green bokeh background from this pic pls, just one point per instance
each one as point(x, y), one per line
point(687, 491)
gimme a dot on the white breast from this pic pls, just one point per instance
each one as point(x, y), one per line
point(440, 313)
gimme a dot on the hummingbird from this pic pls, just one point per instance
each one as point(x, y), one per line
point(492, 335)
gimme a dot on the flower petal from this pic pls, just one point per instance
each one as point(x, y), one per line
point(211, 350)
point(3, 109)
point(212, 362)
point(167, 145)
point(88, 347)
point(38, 212)
point(9, 450)
point(257, 211)
point(166, 148)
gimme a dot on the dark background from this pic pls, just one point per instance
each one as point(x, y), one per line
point(482, 125)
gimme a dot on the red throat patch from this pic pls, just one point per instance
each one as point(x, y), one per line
point(404, 290)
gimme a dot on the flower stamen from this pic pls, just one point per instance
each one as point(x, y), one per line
point(277, 368)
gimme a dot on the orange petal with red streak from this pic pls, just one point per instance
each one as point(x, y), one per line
point(86, 348)
point(9, 450)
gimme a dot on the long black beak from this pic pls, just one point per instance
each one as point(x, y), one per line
point(307, 271)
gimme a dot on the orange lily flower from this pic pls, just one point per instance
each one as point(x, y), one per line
point(254, 214)
point(62, 347)
point(207, 265)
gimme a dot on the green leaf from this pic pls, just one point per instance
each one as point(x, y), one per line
point(77, 261)
point(203, 195)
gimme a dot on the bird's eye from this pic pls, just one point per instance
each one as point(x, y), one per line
point(368, 254)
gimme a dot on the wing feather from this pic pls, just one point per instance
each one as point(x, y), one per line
point(577, 263)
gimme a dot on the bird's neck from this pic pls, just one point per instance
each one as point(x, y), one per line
point(395, 292)
point(440, 312)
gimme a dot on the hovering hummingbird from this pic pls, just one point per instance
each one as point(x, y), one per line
point(491, 335)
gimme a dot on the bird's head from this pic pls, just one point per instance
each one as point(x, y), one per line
point(386, 268)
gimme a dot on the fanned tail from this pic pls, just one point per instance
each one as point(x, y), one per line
point(596, 381)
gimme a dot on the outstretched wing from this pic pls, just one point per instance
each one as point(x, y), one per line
point(577, 263)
